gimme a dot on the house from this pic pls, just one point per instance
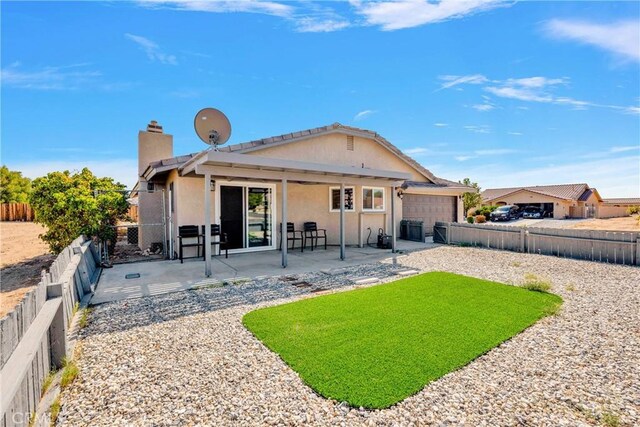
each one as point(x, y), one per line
point(559, 201)
point(253, 187)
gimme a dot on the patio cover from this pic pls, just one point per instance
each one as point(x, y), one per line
point(249, 167)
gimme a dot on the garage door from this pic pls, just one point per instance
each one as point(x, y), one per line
point(429, 209)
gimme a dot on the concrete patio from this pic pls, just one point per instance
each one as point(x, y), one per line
point(160, 277)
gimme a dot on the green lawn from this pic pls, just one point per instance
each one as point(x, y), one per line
point(373, 347)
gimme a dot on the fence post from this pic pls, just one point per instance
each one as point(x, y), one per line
point(58, 329)
point(638, 250)
point(523, 236)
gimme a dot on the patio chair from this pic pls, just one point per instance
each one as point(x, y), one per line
point(221, 243)
point(313, 233)
point(292, 236)
point(188, 232)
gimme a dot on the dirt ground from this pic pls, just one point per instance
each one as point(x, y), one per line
point(629, 223)
point(22, 257)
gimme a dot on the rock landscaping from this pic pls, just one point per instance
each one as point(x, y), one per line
point(186, 359)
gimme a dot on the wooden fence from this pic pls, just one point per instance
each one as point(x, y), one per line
point(16, 212)
point(604, 246)
point(34, 336)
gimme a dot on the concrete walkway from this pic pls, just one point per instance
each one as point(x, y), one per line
point(160, 277)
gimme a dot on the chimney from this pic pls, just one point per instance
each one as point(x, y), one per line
point(153, 145)
point(154, 127)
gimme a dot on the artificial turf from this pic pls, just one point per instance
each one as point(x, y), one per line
point(373, 347)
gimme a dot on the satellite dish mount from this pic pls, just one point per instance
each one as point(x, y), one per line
point(212, 127)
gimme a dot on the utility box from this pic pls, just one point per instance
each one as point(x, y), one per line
point(415, 231)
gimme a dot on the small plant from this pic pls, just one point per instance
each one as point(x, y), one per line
point(552, 310)
point(534, 283)
point(470, 219)
point(84, 318)
point(632, 210)
point(569, 287)
point(69, 373)
point(55, 410)
point(47, 382)
point(515, 264)
point(480, 219)
point(610, 419)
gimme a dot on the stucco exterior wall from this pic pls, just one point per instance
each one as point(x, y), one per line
point(332, 149)
point(304, 203)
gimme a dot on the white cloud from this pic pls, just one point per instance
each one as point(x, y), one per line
point(121, 170)
point(417, 150)
point(621, 38)
point(478, 129)
point(441, 125)
point(222, 6)
point(464, 158)
point(495, 152)
point(515, 133)
point(313, 25)
point(395, 15)
point(483, 107)
point(67, 77)
point(451, 81)
point(306, 17)
point(622, 149)
point(152, 50)
point(529, 89)
point(363, 115)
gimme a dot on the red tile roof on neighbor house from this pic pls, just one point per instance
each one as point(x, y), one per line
point(561, 191)
point(632, 201)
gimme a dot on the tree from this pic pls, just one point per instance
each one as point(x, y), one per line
point(471, 199)
point(14, 188)
point(74, 204)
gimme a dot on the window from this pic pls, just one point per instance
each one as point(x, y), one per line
point(334, 199)
point(372, 199)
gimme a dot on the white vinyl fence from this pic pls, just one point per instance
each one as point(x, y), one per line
point(604, 246)
point(34, 336)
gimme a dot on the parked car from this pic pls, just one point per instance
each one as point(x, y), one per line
point(505, 213)
point(532, 212)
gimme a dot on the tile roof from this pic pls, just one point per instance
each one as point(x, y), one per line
point(561, 191)
point(623, 201)
point(244, 147)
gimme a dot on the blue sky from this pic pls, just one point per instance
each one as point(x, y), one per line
point(506, 93)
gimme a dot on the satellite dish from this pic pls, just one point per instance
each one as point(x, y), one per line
point(212, 126)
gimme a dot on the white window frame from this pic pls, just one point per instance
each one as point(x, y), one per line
point(384, 199)
point(353, 191)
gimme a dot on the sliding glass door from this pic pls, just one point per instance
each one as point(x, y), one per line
point(246, 214)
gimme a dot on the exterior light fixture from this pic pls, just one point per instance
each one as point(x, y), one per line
point(400, 194)
point(212, 185)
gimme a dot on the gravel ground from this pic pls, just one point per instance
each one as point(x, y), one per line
point(186, 359)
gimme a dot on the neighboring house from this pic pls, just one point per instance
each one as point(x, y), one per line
point(617, 207)
point(558, 201)
point(247, 181)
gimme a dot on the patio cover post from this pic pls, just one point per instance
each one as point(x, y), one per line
point(207, 224)
point(393, 219)
point(283, 225)
point(342, 221)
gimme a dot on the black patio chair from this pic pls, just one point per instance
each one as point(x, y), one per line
point(292, 236)
point(313, 233)
point(189, 232)
point(221, 243)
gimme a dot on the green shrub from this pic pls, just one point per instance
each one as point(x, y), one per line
point(470, 219)
point(480, 219)
point(610, 420)
point(486, 210)
point(632, 210)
